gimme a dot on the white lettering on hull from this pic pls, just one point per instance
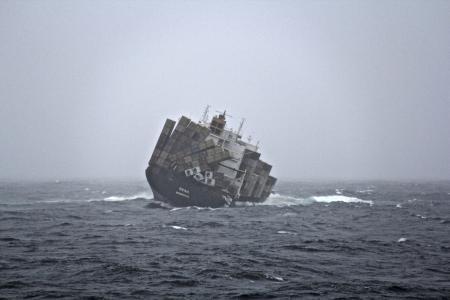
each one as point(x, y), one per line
point(183, 192)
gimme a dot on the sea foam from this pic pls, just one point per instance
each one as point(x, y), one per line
point(178, 227)
point(285, 200)
point(143, 195)
point(340, 198)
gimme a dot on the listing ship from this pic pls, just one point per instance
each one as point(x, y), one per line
point(207, 164)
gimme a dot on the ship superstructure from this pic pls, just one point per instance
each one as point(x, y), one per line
point(206, 164)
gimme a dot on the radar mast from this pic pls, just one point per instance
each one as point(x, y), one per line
point(205, 115)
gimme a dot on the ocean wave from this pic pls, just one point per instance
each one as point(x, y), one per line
point(367, 191)
point(193, 207)
point(59, 201)
point(178, 227)
point(176, 208)
point(285, 200)
point(286, 232)
point(152, 204)
point(144, 195)
point(340, 198)
point(175, 227)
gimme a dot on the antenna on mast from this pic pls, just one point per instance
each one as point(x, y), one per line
point(205, 115)
point(240, 126)
point(224, 113)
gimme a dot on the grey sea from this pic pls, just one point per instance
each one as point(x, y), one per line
point(327, 240)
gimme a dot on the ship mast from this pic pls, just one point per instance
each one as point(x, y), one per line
point(205, 115)
point(224, 113)
point(240, 127)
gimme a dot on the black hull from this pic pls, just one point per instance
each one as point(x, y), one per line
point(181, 191)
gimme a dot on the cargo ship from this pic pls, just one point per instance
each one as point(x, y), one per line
point(207, 164)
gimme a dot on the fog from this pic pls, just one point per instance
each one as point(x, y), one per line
point(331, 89)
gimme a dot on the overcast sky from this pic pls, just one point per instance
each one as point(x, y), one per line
point(332, 89)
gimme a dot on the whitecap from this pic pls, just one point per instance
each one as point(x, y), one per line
point(402, 240)
point(199, 207)
point(176, 208)
point(339, 198)
point(203, 208)
point(108, 199)
point(143, 195)
point(286, 232)
point(367, 191)
point(244, 203)
point(59, 201)
point(273, 277)
point(112, 198)
point(399, 205)
point(339, 191)
point(284, 200)
point(178, 227)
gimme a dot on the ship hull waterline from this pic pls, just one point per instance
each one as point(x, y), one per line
point(180, 191)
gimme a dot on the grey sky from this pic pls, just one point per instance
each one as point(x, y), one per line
point(332, 89)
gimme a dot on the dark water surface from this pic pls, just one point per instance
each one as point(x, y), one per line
point(105, 239)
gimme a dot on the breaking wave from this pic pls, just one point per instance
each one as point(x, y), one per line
point(340, 198)
point(193, 207)
point(285, 200)
point(143, 195)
